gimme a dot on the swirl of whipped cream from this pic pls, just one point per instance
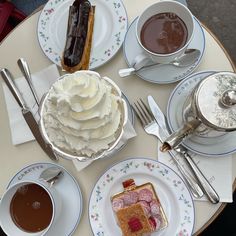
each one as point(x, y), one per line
point(82, 113)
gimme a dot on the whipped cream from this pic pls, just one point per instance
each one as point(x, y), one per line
point(82, 114)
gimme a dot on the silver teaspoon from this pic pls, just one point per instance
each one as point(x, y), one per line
point(51, 175)
point(140, 62)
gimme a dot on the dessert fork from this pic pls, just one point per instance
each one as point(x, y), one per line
point(151, 127)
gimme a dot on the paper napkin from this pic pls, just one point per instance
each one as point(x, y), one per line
point(218, 171)
point(42, 80)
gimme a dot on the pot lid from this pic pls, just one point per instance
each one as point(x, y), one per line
point(213, 105)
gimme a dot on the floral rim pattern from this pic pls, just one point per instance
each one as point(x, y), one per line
point(111, 47)
point(140, 166)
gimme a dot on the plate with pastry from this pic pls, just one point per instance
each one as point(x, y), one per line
point(141, 196)
point(81, 34)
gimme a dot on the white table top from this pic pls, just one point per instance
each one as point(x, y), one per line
point(22, 42)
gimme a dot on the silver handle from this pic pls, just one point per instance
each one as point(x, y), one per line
point(126, 72)
point(8, 78)
point(191, 182)
point(140, 61)
point(177, 137)
point(26, 72)
point(206, 186)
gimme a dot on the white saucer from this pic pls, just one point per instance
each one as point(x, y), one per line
point(208, 146)
point(172, 191)
point(110, 26)
point(162, 74)
point(69, 191)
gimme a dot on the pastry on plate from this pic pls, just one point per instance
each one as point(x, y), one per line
point(138, 209)
point(76, 55)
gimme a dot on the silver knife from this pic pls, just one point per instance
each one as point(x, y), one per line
point(182, 151)
point(189, 180)
point(27, 114)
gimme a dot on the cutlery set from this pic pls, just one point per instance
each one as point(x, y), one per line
point(154, 123)
point(26, 112)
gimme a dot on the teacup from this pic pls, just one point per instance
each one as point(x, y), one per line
point(164, 31)
point(12, 214)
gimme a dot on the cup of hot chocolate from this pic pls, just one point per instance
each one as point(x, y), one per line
point(29, 208)
point(164, 30)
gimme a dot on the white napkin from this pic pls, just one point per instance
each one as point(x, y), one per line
point(218, 171)
point(129, 133)
point(42, 81)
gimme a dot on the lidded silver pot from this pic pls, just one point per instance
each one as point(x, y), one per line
point(211, 105)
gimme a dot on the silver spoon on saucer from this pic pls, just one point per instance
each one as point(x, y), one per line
point(51, 175)
point(142, 61)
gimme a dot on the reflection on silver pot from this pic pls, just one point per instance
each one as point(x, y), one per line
point(210, 107)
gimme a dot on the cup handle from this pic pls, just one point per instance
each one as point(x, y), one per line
point(141, 60)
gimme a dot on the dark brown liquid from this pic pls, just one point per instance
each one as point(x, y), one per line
point(164, 33)
point(31, 208)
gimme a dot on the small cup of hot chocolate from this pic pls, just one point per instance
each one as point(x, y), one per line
point(29, 208)
point(164, 30)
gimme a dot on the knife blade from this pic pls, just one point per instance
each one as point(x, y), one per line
point(27, 114)
point(182, 151)
point(161, 133)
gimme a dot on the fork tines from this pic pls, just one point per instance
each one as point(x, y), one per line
point(143, 112)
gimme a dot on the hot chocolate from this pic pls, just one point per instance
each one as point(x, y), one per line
point(31, 208)
point(164, 33)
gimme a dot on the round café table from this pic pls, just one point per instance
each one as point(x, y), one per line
point(23, 42)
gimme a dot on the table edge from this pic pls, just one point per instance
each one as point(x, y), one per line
point(223, 205)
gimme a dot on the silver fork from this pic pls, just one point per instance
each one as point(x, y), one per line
point(151, 127)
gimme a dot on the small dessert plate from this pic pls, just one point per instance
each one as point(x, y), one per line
point(110, 27)
point(217, 145)
point(162, 74)
point(69, 191)
point(170, 188)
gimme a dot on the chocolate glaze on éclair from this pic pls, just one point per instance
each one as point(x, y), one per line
point(79, 36)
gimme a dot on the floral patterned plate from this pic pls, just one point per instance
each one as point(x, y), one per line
point(109, 29)
point(174, 196)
